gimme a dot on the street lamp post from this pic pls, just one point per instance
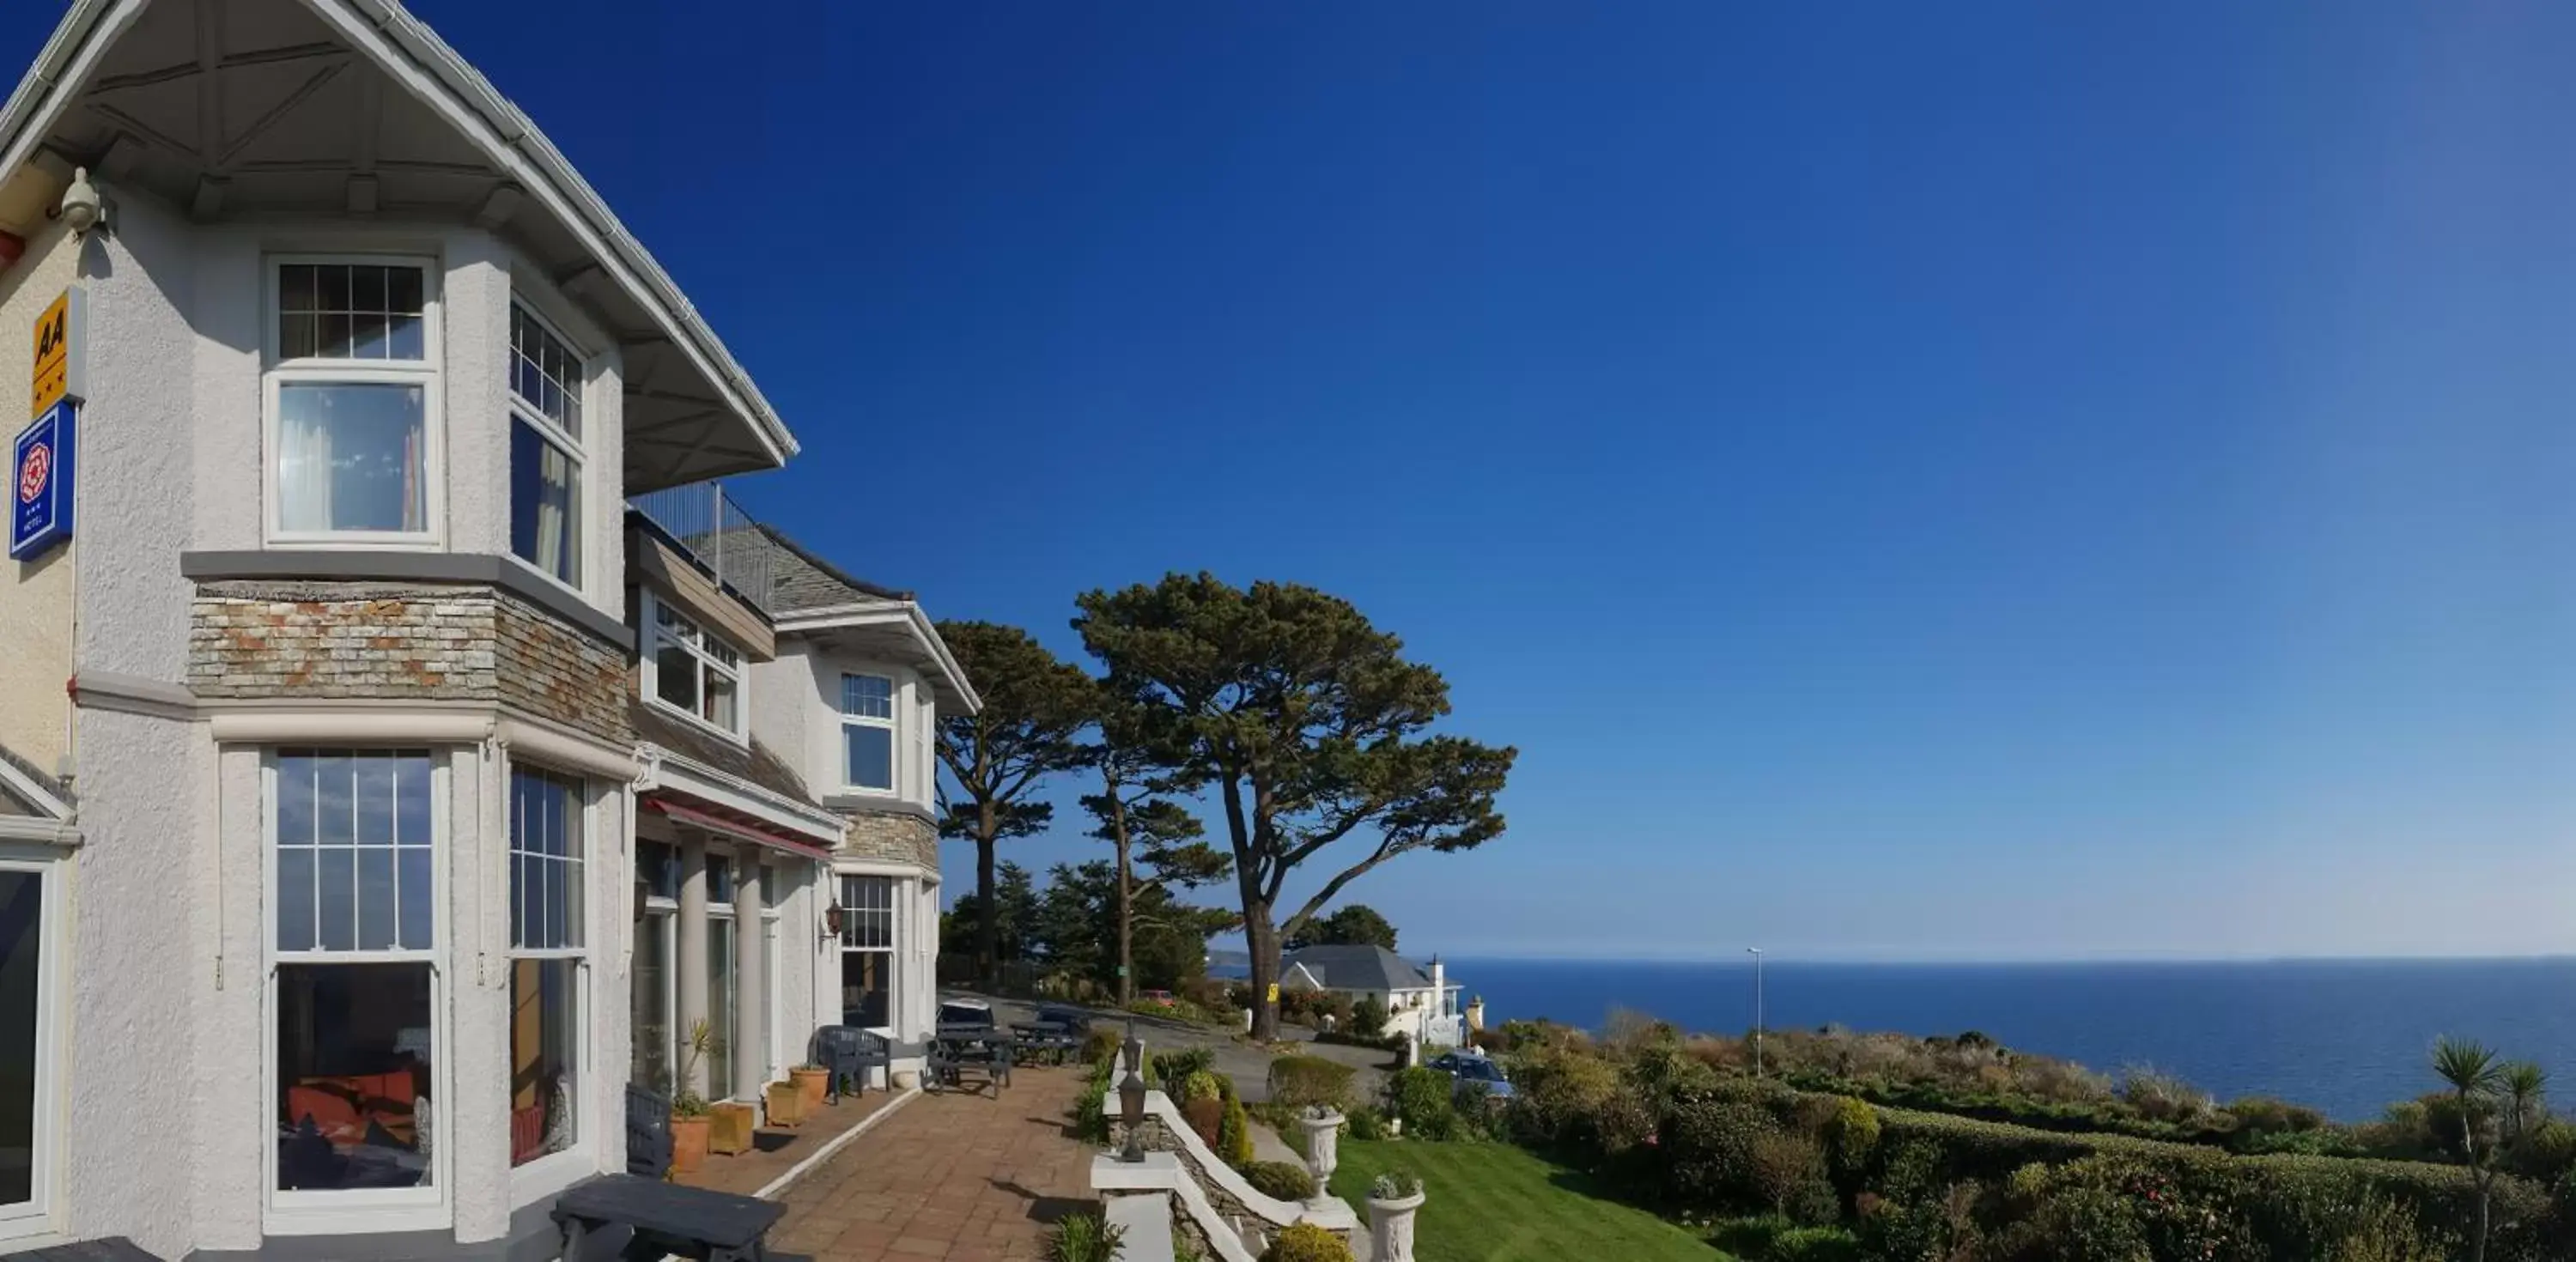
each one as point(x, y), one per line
point(1757, 1009)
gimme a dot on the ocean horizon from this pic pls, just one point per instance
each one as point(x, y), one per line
point(2345, 1035)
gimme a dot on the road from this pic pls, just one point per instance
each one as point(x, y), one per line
point(1236, 1057)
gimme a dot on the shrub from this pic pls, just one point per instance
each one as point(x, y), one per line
point(1306, 1242)
point(1368, 1017)
point(1234, 1134)
point(1785, 1170)
point(1561, 1100)
point(1365, 1124)
point(1083, 1238)
point(1707, 1148)
point(2160, 1096)
point(1422, 1098)
point(1206, 1118)
point(1814, 1244)
point(1178, 1064)
point(1850, 1133)
point(1100, 1045)
point(1199, 1085)
point(1280, 1180)
point(1299, 1081)
point(1395, 1185)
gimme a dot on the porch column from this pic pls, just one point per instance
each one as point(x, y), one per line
point(751, 998)
point(692, 964)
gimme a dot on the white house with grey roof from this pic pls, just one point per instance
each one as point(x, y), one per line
point(1421, 1002)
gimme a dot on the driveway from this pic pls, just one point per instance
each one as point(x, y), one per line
point(1237, 1057)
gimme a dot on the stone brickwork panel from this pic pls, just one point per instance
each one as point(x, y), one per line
point(250, 639)
point(893, 837)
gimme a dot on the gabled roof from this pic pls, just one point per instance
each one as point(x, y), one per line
point(355, 110)
point(1358, 968)
point(813, 598)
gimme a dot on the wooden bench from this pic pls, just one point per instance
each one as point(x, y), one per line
point(667, 1218)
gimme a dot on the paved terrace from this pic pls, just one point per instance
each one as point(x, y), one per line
point(961, 1177)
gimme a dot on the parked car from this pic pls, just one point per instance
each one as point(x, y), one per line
point(1471, 1070)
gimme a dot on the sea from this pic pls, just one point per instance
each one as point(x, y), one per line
point(2345, 1036)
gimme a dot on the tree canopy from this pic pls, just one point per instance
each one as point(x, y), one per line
point(1035, 708)
point(1309, 725)
point(1354, 924)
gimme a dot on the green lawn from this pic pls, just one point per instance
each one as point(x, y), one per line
point(1497, 1203)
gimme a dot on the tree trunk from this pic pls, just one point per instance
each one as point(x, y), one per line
point(1126, 905)
point(2478, 1247)
point(988, 934)
point(1262, 938)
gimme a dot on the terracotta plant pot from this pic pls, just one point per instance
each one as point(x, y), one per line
point(734, 1123)
point(688, 1144)
point(810, 1084)
point(786, 1103)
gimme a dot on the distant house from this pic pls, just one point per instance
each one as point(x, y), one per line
point(1423, 1002)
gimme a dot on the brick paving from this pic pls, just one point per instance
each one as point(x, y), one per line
point(776, 1150)
point(956, 1177)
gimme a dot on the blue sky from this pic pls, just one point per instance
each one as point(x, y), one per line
point(1996, 481)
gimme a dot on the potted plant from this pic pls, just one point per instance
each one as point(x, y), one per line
point(1323, 1127)
point(689, 1125)
point(1392, 1201)
point(811, 1082)
point(734, 1123)
point(786, 1103)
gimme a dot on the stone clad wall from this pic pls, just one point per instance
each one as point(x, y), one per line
point(402, 641)
point(893, 837)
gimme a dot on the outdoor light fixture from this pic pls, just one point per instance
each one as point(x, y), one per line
point(1131, 1108)
point(832, 922)
point(82, 206)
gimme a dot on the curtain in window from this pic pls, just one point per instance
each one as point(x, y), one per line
point(541, 503)
point(304, 470)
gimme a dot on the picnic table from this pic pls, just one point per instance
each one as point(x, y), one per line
point(668, 1218)
point(960, 1045)
point(1042, 1037)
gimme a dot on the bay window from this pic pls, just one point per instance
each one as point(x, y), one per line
point(350, 396)
point(692, 671)
point(867, 732)
point(546, 981)
point(354, 995)
point(545, 448)
point(31, 931)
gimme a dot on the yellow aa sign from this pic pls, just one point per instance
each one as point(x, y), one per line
point(1274, 992)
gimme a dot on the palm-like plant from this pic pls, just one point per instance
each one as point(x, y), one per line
point(2475, 1078)
point(2524, 1089)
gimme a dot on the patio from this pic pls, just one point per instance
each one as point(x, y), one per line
point(957, 1176)
point(775, 1151)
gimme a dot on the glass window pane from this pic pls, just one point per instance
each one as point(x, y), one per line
point(374, 775)
point(334, 335)
point(403, 291)
point(544, 1018)
point(419, 898)
point(866, 993)
point(295, 899)
point(350, 456)
point(867, 696)
point(22, 910)
point(353, 1076)
point(675, 675)
point(367, 335)
point(544, 372)
point(334, 286)
point(649, 1002)
point(338, 897)
point(403, 338)
point(295, 800)
point(297, 290)
point(544, 524)
point(719, 709)
point(411, 801)
point(720, 1001)
point(298, 336)
point(367, 289)
point(375, 899)
point(870, 752)
point(334, 801)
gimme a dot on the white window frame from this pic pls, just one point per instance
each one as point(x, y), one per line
point(428, 372)
point(521, 409)
point(892, 722)
point(661, 914)
point(361, 1210)
point(651, 637)
point(35, 1216)
point(727, 978)
point(555, 1171)
point(892, 950)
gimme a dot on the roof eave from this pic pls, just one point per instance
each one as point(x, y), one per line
point(879, 613)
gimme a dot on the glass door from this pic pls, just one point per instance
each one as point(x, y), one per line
point(650, 1004)
point(721, 984)
point(27, 1087)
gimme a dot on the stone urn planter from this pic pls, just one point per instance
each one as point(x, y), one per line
point(1391, 1226)
point(812, 1083)
point(1323, 1128)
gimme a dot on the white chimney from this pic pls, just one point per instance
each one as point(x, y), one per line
point(1439, 988)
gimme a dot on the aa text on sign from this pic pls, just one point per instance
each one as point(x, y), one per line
point(58, 335)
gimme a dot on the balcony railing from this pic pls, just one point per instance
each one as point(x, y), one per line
point(706, 521)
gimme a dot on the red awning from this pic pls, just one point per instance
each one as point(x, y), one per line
point(734, 824)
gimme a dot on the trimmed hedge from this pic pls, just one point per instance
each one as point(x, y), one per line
point(1300, 1081)
point(1280, 1180)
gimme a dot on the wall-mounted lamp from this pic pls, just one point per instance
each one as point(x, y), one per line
point(831, 922)
point(83, 207)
